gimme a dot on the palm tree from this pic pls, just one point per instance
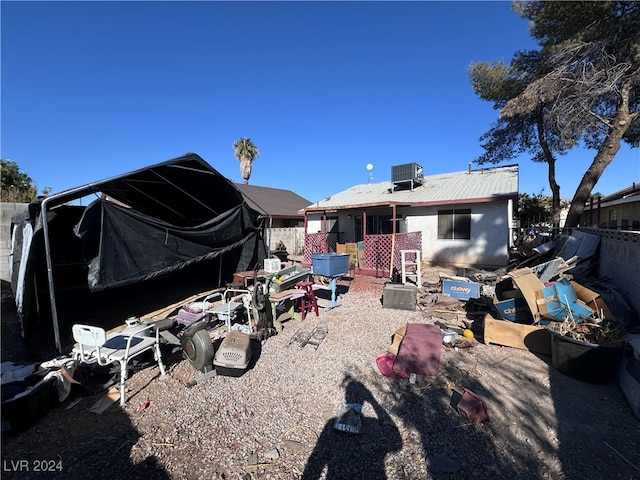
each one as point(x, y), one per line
point(245, 151)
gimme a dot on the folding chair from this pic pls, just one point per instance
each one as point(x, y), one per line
point(94, 345)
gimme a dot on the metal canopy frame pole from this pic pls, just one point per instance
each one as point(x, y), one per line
point(52, 296)
point(58, 199)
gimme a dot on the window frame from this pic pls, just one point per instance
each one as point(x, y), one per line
point(454, 224)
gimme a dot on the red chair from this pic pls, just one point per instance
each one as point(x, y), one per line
point(308, 302)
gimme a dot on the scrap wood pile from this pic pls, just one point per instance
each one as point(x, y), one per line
point(604, 332)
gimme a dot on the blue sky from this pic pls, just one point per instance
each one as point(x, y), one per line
point(91, 90)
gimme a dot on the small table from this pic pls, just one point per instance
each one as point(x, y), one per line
point(246, 278)
point(287, 297)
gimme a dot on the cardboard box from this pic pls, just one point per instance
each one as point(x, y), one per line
point(361, 254)
point(522, 283)
point(510, 303)
point(352, 250)
point(341, 248)
point(528, 337)
point(592, 299)
point(555, 301)
point(396, 340)
point(514, 310)
point(460, 289)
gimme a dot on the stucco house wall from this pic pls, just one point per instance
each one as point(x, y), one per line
point(491, 224)
point(489, 243)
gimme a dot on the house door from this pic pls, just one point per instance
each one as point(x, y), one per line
point(359, 233)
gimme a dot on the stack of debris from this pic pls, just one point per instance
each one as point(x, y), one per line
point(551, 303)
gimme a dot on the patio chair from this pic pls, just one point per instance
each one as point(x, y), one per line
point(94, 345)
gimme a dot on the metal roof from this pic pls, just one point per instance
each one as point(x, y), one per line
point(470, 186)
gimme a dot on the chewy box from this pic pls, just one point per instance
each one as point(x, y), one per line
point(514, 310)
point(510, 302)
point(330, 264)
point(461, 290)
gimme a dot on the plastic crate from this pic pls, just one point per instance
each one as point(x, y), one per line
point(330, 264)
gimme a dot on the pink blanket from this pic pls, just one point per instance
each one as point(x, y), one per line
point(419, 351)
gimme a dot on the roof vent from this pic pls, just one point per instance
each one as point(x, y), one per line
point(409, 173)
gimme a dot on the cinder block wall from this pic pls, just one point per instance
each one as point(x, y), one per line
point(293, 238)
point(7, 210)
point(619, 260)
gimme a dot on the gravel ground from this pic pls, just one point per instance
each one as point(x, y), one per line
point(276, 420)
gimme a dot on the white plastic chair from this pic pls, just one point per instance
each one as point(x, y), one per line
point(94, 345)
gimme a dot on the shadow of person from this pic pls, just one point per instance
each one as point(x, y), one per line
point(351, 456)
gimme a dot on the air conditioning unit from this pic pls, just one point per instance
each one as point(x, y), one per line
point(409, 172)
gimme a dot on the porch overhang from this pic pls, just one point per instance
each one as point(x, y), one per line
point(355, 206)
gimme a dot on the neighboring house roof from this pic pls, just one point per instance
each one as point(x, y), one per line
point(276, 202)
point(471, 186)
point(626, 195)
point(632, 191)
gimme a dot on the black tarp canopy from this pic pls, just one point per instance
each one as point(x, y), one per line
point(141, 225)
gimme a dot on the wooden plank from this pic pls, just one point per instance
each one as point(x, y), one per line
point(286, 294)
point(165, 312)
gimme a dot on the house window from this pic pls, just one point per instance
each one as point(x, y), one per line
point(381, 224)
point(454, 224)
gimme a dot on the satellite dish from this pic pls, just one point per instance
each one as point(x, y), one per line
point(370, 168)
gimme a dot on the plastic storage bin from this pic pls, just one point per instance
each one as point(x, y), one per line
point(288, 277)
point(583, 361)
point(330, 264)
point(24, 402)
